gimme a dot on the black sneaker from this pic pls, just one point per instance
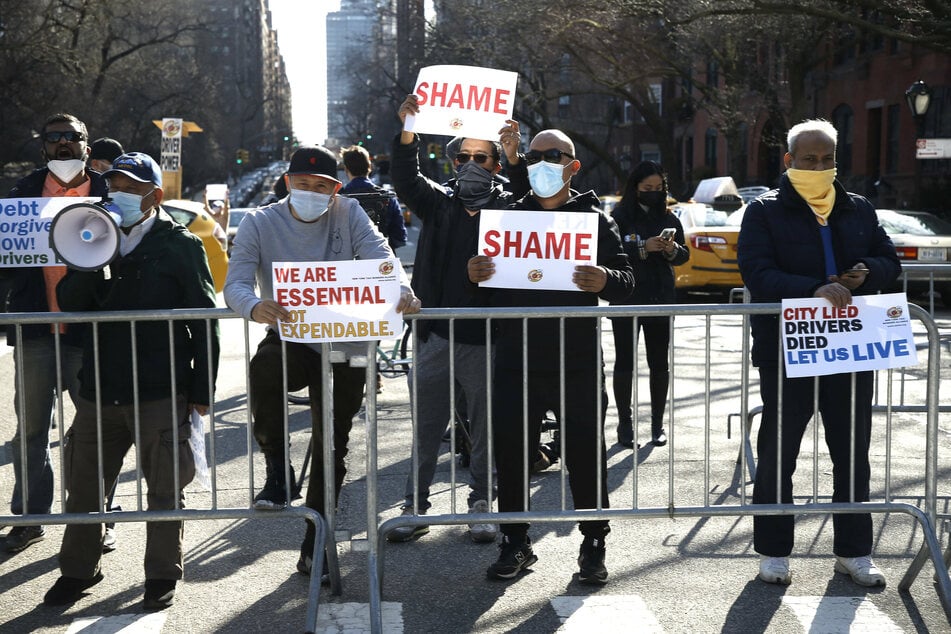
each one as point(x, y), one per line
point(22, 537)
point(658, 436)
point(591, 562)
point(68, 590)
point(273, 497)
point(408, 533)
point(625, 433)
point(305, 564)
point(159, 594)
point(513, 558)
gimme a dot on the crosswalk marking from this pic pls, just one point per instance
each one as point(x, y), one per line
point(604, 614)
point(150, 623)
point(840, 615)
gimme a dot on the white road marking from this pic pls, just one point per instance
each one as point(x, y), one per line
point(150, 623)
point(840, 615)
point(604, 614)
point(354, 618)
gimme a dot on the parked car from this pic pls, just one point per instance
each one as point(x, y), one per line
point(749, 193)
point(608, 203)
point(921, 238)
point(192, 214)
point(234, 219)
point(711, 238)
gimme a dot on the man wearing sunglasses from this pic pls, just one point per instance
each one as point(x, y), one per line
point(449, 236)
point(551, 165)
point(33, 289)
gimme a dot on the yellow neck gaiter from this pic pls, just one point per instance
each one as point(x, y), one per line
point(816, 189)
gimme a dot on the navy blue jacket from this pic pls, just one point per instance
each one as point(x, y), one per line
point(392, 226)
point(781, 255)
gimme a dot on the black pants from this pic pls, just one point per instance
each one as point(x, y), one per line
point(656, 342)
point(583, 457)
point(773, 535)
point(268, 397)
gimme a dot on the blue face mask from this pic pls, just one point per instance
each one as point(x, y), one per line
point(129, 205)
point(546, 178)
point(308, 205)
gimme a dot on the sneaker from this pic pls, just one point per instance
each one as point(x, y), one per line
point(541, 463)
point(862, 570)
point(774, 570)
point(159, 594)
point(658, 437)
point(68, 590)
point(482, 533)
point(408, 533)
point(513, 558)
point(304, 565)
point(109, 540)
point(273, 497)
point(21, 537)
point(591, 562)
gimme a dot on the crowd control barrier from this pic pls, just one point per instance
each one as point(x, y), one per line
point(715, 392)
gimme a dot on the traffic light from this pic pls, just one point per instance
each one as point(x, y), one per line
point(433, 150)
point(241, 157)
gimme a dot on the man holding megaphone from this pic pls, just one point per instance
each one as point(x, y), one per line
point(160, 265)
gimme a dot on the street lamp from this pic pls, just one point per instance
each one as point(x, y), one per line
point(918, 97)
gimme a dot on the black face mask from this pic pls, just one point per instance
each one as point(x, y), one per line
point(474, 186)
point(654, 201)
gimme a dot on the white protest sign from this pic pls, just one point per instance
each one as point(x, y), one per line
point(871, 333)
point(349, 300)
point(464, 101)
point(537, 249)
point(25, 229)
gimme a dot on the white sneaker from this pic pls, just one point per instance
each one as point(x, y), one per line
point(862, 570)
point(482, 533)
point(775, 570)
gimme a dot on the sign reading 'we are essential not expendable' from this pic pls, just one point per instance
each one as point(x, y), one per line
point(464, 101)
point(349, 300)
point(871, 333)
point(537, 249)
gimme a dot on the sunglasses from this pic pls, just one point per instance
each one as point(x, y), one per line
point(479, 158)
point(70, 136)
point(551, 156)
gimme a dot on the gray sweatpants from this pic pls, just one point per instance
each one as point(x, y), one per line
point(434, 411)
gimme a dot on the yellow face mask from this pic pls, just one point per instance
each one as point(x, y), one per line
point(816, 189)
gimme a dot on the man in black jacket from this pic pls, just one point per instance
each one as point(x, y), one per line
point(551, 164)
point(160, 266)
point(449, 236)
point(811, 238)
point(32, 289)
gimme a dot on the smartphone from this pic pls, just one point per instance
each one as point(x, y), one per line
point(847, 271)
point(216, 191)
point(668, 234)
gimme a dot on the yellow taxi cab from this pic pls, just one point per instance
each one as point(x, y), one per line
point(711, 236)
point(192, 214)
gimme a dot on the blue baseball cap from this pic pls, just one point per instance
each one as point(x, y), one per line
point(137, 166)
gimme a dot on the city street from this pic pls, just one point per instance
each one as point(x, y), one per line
point(666, 575)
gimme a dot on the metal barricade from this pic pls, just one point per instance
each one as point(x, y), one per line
point(921, 506)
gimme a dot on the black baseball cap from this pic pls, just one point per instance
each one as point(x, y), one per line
point(105, 149)
point(315, 160)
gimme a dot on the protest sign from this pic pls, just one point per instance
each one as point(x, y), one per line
point(537, 249)
point(871, 333)
point(25, 229)
point(464, 101)
point(349, 300)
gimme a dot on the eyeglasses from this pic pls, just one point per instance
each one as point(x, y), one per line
point(479, 158)
point(550, 156)
point(69, 135)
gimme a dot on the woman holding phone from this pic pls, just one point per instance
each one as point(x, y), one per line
point(653, 239)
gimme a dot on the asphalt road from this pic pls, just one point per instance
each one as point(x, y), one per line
point(666, 574)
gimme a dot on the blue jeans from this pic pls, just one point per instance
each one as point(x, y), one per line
point(37, 385)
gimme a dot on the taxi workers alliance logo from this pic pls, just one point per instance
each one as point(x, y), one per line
point(456, 123)
point(894, 312)
point(171, 127)
point(535, 275)
point(386, 268)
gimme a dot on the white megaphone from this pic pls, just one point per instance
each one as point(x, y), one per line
point(85, 236)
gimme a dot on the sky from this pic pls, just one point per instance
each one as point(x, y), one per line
point(301, 26)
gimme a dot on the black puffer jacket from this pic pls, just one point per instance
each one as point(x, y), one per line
point(27, 286)
point(168, 269)
point(781, 255)
point(653, 272)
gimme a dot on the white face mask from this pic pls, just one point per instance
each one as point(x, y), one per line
point(546, 178)
point(66, 169)
point(308, 205)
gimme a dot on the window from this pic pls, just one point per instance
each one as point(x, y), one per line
point(710, 148)
point(892, 138)
point(564, 106)
point(843, 120)
point(713, 76)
